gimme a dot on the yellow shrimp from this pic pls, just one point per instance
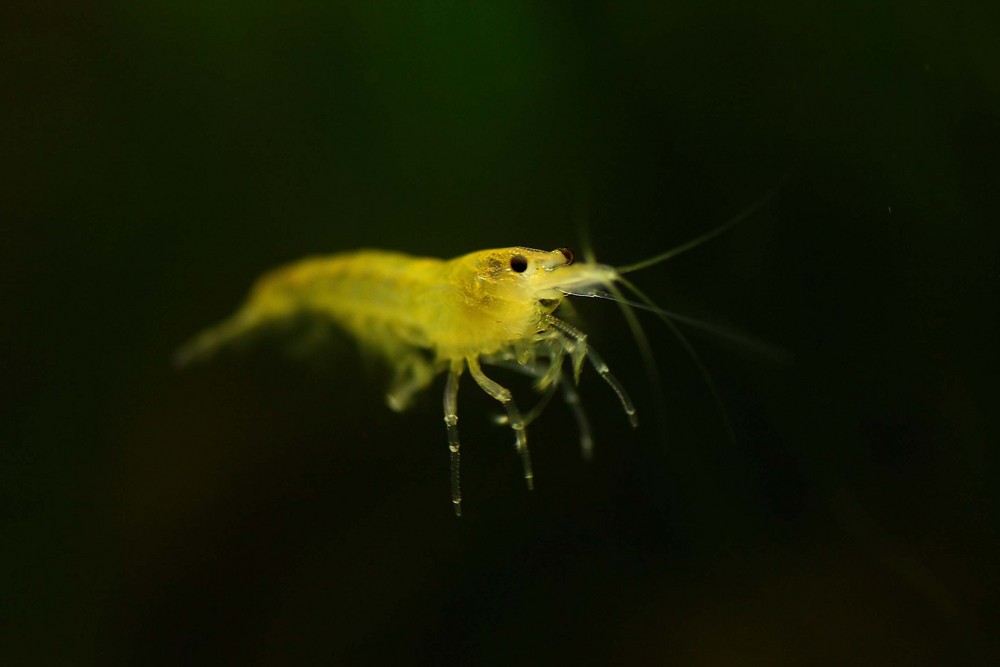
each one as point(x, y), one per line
point(428, 316)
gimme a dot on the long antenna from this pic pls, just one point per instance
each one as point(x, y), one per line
point(711, 234)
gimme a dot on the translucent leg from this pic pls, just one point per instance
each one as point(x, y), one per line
point(572, 399)
point(576, 341)
point(502, 394)
point(414, 376)
point(451, 423)
point(536, 412)
point(570, 396)
point(605, 372)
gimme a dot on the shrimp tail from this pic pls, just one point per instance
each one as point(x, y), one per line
point(206, 344)
point(271, 302)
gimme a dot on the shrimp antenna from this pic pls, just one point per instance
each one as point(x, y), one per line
point(691, 352)
point(711, 234)
point(769, 351)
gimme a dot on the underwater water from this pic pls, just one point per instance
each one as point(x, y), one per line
point(267, 508)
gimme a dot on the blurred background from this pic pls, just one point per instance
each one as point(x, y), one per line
point(267, 508)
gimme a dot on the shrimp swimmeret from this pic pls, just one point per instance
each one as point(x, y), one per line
point(427, 316)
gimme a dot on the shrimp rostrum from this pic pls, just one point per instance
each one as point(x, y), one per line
point(428, 316)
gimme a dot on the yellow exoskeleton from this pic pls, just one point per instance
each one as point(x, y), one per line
point(429, 316)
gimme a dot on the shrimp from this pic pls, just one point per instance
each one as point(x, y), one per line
point(427, 316)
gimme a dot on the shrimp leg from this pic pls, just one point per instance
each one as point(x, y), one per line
point(412, 376)
point(536, 412)
point(451, 423)
point(570, 397)
point(575, 342)
point(502, 394)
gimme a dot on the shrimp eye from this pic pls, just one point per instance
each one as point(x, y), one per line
point(518, 263)
point(568, 254)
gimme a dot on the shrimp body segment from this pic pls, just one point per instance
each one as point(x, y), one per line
point(428, 316)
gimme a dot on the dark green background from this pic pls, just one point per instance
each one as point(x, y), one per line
point(157, 156)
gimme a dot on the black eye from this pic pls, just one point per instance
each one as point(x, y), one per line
point(568, 254)
point(518, 263)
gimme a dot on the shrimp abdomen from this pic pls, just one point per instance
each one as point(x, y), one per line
point(373, 295)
